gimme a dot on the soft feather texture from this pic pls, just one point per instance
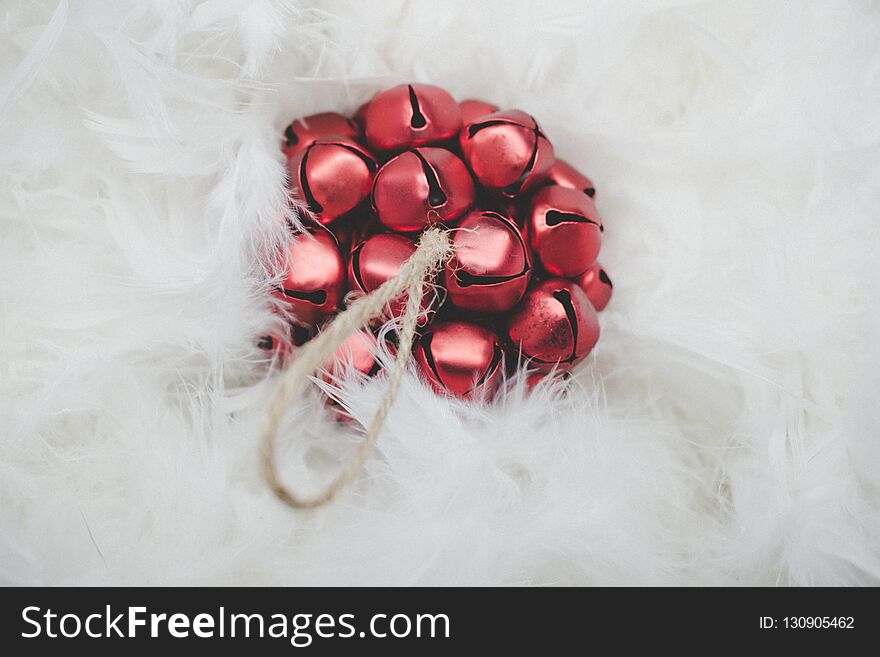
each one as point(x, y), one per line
point(725, 430)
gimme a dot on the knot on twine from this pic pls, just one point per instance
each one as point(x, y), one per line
point(434, 249)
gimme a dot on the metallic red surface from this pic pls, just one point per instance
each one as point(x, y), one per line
point(332, 176)
point(377, 259)
point(357, 352)
point(315, 278)
point(597, 285)
point(460, 358)
point(491, 265)
point(355, 227)
point(344, 231)
point(512, 208)
point(474, 109)
point(360, 115)
point(507, 151)
point(303, 132)
point(554, 325)
point(422, 186)
point(410, 115)
point(565, 175)
point(564, 230)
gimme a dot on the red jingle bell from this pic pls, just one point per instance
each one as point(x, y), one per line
point(410, 115)
point(357, 353)
point(554, 325)
point(332, 176)
point(460, 358)
point(422, 186)
point(506, 151)
point(360, 115)
point(303, 132)
point(597, 285)
point(474, 109)
point(565, 175)
point(377, 259)
point(315, 278)
point(564, 230)
point(491, 264)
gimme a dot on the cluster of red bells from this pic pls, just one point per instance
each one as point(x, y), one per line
point(524, 277)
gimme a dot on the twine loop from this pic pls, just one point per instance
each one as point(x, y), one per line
point(434, 248)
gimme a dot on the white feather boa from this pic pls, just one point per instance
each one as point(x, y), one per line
point(725, 431)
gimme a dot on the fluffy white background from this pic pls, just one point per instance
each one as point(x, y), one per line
point(726, 430)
